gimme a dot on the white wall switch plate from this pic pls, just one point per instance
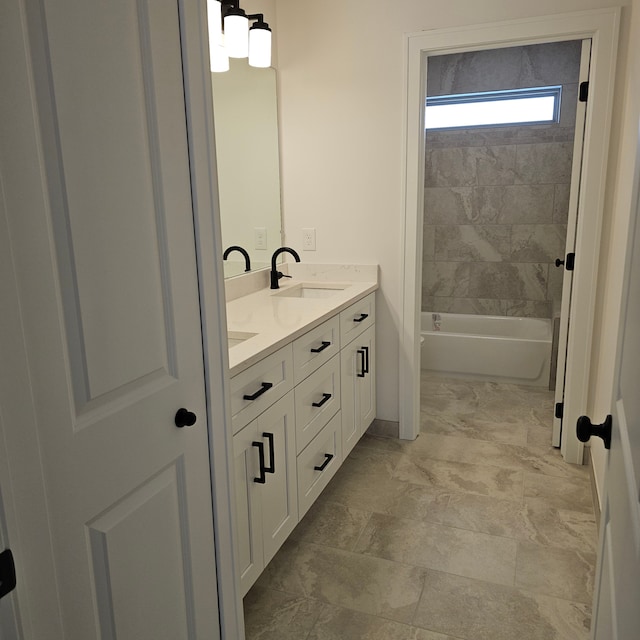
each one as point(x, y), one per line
point(309, 239)
point(260, 237)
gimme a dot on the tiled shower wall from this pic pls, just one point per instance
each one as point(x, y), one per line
point(497, 198)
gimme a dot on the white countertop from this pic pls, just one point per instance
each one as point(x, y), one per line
point(278, 320)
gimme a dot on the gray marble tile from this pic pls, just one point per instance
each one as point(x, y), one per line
point(434, 546)
point(561, 203)
point(550, 63)
point(475, 427)
point(455, 167)
point(362, 583)
point(428, 243)
point(428, 303)
point(514, 204)
point(474, 306)
point(276, 615)
point(507, 281)
point(535, 523)
point(539, 437)
point(448, 205)
point(562, 573)
point(568, 105)
point(561, 493)
point(446, 476)
point(527, 308)
point(495, 165)
point(555, 283)
point(337, 623)
point(331, 524)
point(537, 242)
point(472, 243)
point(548, 162)
point(494, 454)
point(445, 279)
point(476, 610)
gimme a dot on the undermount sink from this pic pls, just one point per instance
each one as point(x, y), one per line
point(311, 290)
point(234, 338)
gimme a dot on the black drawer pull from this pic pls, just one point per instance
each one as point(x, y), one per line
point(363, 316)
point(366, 359)
point(263, 389)
point(272, 453)
point(363, 370)
point(328, 458)
point(325, 397)
point(325, 344)
point(263, 478)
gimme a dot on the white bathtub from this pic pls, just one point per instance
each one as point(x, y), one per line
point(497, 348)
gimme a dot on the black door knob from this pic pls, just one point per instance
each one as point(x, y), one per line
point(185, 418)
point(559, 262)
point(585, 429)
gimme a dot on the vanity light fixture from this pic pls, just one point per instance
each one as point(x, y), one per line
point(231, 37)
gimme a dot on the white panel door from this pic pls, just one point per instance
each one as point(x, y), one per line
point(617, 597)
point(113, 325)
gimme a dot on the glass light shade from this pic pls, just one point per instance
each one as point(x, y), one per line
point(260, 47)
point(214, 16)
point(236, 35)
point(219, 58)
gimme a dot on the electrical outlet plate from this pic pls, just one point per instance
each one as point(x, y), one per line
point(260, 237)
point(309, 239)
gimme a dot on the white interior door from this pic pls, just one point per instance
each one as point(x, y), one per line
point(572, 222)
point(617, 598)
point(108, 291)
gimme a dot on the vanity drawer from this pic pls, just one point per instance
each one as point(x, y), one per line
point(356, 318)
point(318, 463)
point(322, 388)
point(265, 382)
point(314, 348)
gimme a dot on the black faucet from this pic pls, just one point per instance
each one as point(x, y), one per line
point(235, 247)
point(275, 274)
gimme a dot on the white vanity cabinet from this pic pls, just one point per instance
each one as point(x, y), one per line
point(296, 414)
point(266, 487)
point(357, 371)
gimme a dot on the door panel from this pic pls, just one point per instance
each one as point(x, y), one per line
point(617, 593)
point(116, 348)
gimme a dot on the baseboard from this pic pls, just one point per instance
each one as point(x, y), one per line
point(384, 428)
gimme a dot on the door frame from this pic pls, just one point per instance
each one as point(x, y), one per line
point(602, 27)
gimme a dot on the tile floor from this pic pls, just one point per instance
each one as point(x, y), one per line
point(476, 531)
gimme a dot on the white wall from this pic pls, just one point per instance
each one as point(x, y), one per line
point(341, 78)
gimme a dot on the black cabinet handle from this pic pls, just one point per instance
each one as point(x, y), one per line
point(585, 429)
point(328, 458)
point(263, 389)
point(366, 359)
point(325, 398)
point(272, 454)
point(263, 478)
point(363, 368)
point(363, 316)
point(184, 418)
point(325, 344)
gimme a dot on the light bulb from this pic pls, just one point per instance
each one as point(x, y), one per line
point(214, 16)
point(236, 34)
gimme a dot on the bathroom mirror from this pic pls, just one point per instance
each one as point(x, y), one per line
point(248, 159)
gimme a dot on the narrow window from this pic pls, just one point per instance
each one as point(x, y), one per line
point(539, 105)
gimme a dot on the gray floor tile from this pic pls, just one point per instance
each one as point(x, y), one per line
point(362, 583)
point(562, 573)
point(458, 551)
point(336, 623)
point(476, 610)
point(562, 493)
point(276, 615)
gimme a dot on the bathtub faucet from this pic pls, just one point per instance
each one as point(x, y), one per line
point(437, 321)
